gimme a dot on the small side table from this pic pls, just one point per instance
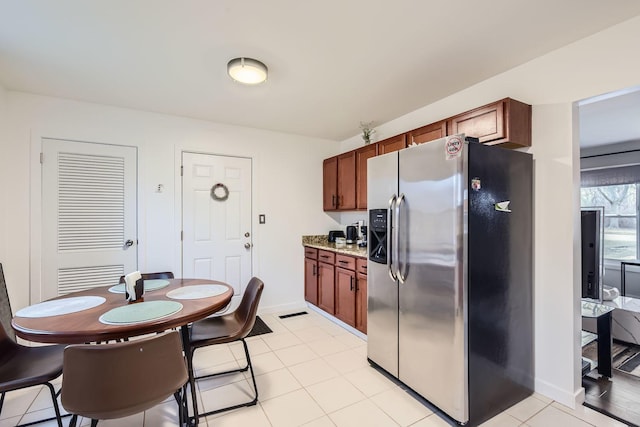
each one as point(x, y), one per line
point(603, 315)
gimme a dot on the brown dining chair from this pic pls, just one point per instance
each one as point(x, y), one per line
point(150, 276)
point(22, 366)
point(234, 326)
point(108, 381)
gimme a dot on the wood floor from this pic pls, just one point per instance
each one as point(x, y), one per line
point(617, 397)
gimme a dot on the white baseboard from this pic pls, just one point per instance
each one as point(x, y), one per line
point(294, 306)
point(564, 397)
point(298, 306)
point(337, 321)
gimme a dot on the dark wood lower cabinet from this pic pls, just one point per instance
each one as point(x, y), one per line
point(311, 280)
point(326, 287)
point(361, 302)
point(338, 285)
point(346, 295)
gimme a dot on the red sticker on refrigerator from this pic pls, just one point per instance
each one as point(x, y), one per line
point(453, 147)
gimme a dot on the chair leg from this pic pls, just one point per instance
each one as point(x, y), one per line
point(255, 387)
point(94, 423)
point(58, 417)
point(54, 398)
point(178, 395)
point(183, 410)
point(1, 402)
point(253, 377)
point(188, 354)
point(74, 421)
point(243, 369)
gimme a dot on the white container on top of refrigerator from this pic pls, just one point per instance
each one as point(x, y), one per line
point(450, 307)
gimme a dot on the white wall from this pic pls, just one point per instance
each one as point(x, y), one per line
point(287, 185)
point(600, 63)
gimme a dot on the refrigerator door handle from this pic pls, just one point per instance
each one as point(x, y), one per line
point(401, 271)
point(390, 239)
point(396, 237)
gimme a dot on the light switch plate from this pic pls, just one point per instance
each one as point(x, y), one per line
point(262, 219)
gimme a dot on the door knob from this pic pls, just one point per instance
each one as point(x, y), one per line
point(247, 245)
point(128, 243)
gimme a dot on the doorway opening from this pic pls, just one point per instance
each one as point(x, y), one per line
point(610, 179)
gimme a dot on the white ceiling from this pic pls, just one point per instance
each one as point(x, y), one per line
point(332, 63)
point(610, 118)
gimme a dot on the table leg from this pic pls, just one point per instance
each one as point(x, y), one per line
point(184, 331)
point(605, 343)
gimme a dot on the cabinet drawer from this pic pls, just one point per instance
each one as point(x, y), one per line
point(346, 261)
point(327, 256)
point(311, 253)
point(361, 265)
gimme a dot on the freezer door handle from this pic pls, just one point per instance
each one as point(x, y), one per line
point(390, 240)
point(401, 271)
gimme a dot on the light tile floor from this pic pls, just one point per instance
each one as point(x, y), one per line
point(310, 372)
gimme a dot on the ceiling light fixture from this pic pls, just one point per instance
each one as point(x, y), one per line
point(246, 70)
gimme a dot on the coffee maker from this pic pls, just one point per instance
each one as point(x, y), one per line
point(362, 242)
point(352, 234)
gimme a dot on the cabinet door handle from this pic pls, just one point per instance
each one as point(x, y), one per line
point(324, 256)
point(314, 269)
point(333, 201)
point(351, 283)
point(343, 262)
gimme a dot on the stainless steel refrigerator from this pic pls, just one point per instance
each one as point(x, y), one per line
point(450, 301)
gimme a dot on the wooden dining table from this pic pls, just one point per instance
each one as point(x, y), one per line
point(86, 325)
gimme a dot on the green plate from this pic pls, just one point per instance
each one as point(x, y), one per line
point(140, 312)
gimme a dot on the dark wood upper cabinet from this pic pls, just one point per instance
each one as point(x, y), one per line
point(339, 182)
point(506, 122)
point(330, 184)
point(362, 155)
point(427, 133)
point(347, 181)
point(392, 144)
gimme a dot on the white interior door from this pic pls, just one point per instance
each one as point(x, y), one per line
point(89, 210)
point(216, 218)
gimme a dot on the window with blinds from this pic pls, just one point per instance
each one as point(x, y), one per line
point(612, 182)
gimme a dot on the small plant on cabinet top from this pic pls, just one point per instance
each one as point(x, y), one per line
point(367, 131)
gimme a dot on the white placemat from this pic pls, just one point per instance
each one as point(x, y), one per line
point(140, 312)
point(197, 291)
point(149, 285)
point(61, 306)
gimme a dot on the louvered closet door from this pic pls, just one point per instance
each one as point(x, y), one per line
point(88, 215)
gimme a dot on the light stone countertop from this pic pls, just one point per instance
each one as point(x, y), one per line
point(321, 242)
